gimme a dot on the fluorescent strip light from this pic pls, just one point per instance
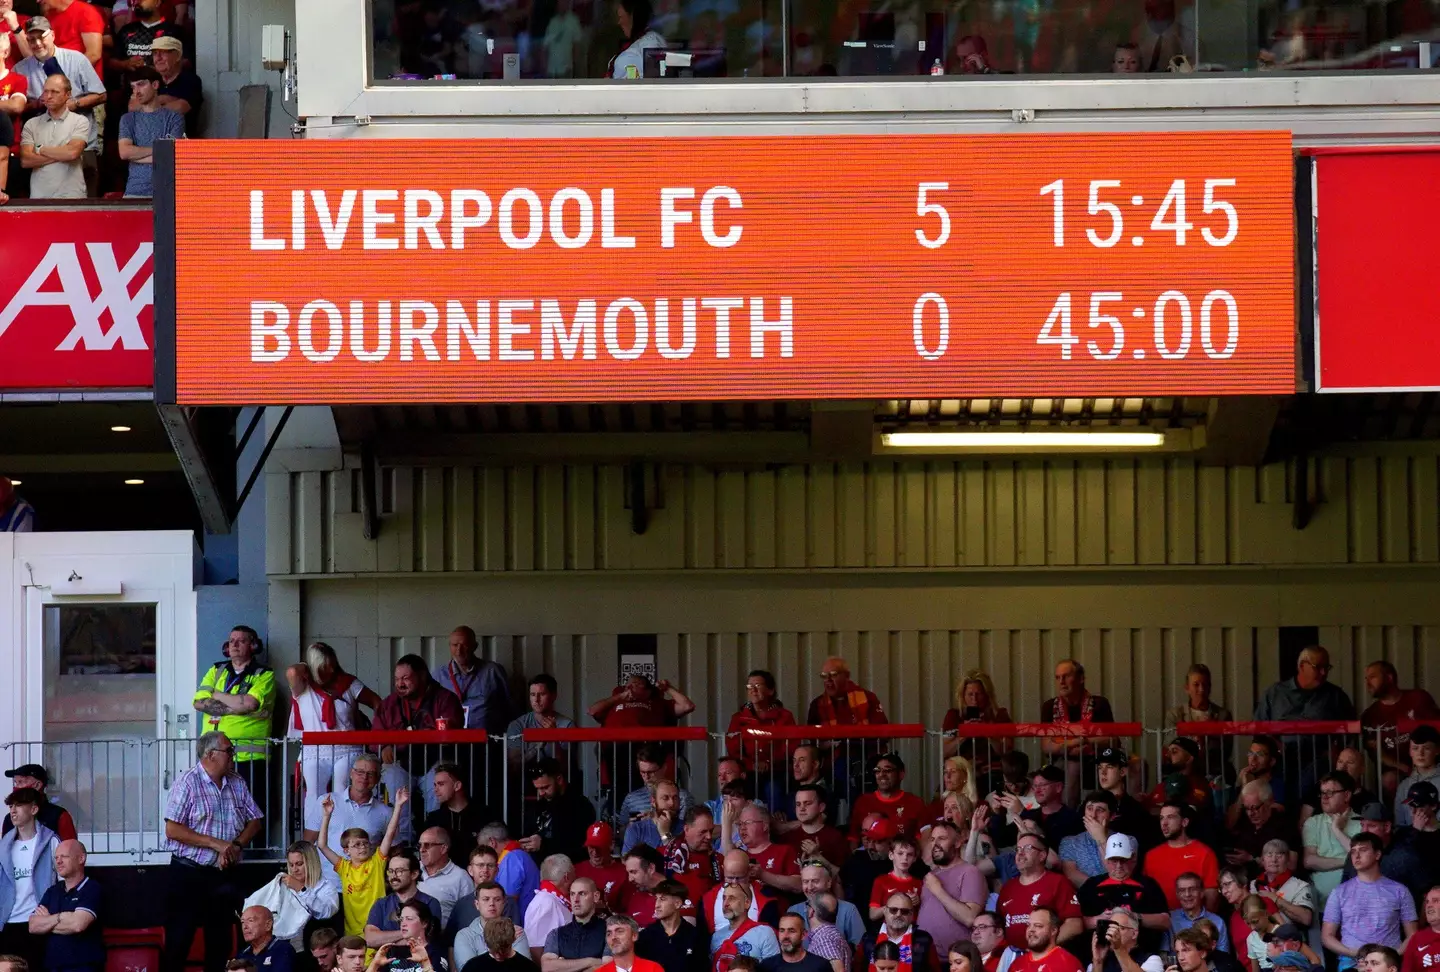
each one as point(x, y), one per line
point(982, 439)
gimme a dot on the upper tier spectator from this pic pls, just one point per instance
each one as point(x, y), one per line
point(542, 715)
point(298, 895)
point(975, 703)
point(1381, 719)
point(843, 703)
point(634, 704)
point(1368, 908)
point(762, 710)
point(16, 515)
point(418, 700)
point(1199, 707)
point(323, 696)
point(237, 696)
point(1424, 768)
point(209, 819)
point(133, 39)
point(179, 87)
point(33, 776)
point(53, 143)
point(481, 685)
point(906, 810)
point(562, 815)
point(262, 948)
point(78, 27)
point(1310, 695)
point(27, 869)
point(1072, 704)
point(68, 915)
point(86, 89)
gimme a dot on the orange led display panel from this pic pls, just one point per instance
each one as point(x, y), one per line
point(813, 267)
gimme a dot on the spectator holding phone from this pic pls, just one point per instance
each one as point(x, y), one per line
point(1115, 945)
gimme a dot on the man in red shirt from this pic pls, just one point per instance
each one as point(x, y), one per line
point(1179, 854)
point(1043, 952)
point(773, 865)
point(814, 838)
point(78, 26)
point(602, 867)
point(1392, 706)
point(1423, 952)
point(1036, 888)
point(906, 809)
point(636, 703)
point(620, 935)
point(690, 855)
point(418, 701)
point(843, 703)
point(762, 710)
point(643, 872)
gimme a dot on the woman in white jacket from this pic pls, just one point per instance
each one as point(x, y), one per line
point(325, 698)
point(634, 18)
point(298, 894)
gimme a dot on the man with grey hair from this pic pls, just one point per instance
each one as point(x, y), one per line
point(825, 939)
point(1260, 821)
point(621, 932)
point(550, 908)
point(517, 873)
point(358, 805)
point(815, 881)
point(209, 818)
point(1309, 695)
point(440, 877)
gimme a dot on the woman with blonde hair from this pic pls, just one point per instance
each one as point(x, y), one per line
point(325, 698)
point(298, 895)
point(956, 778)
point(975, 703)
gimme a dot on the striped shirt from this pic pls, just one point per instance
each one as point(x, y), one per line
point(20, 518)
point(1370, 911)
point(213, 811)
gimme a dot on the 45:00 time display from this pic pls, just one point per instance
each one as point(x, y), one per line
point(1173, 333)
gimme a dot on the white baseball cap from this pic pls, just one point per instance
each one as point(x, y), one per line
point(1119, 845)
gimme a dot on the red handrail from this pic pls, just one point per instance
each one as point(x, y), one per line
point(1070, 730)
point(629, 734)
point(899, 730)
point(1298, 727)
point(394, 737)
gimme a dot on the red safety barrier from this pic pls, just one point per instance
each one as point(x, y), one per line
point(641, 734)
point(1308, 727)
point(903, 730)
point(1029, 730)
point(395, 737)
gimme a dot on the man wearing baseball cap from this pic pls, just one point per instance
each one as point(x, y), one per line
point(1399, 861)
point(1423, 834)
point(1289, 948)
point(33, 776)
point(1121, 887)
point(1131, 816)
point(859, 874)
point(1425, 768)
point(179, 87)
point(601, 865)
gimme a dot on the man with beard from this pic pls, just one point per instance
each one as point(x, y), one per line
point(739, 934)
point(1423, 951)
point(737, 868)
point(793, 957)
point(402, 875)
point(815, 881)
point(577, 945)
point(899, 928)
point(954, 892)
point(601, 865)
point(1042, 950)
point(662, 820)
point(859, 874)
point(562, 816)
point(676, 944)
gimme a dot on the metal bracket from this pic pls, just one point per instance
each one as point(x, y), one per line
point(196, 437)
point(270, 441)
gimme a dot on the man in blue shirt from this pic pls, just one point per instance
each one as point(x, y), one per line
point(145, 124)
point(68, 913)
point(268, 953)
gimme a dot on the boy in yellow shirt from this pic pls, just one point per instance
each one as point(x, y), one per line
point(361, 872)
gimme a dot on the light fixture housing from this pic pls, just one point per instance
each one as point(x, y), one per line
point(1051, 440)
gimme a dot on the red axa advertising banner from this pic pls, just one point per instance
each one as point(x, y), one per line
point(1376, 265)
point(76, 299)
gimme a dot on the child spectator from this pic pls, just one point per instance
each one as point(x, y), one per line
point(904, 852)
point(361, 873)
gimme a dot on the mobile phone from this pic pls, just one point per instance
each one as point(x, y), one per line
point(1102, 930)
point(971, 713)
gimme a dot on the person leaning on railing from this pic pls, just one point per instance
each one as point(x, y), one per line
point(841, 704)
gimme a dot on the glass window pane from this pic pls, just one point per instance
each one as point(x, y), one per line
point(508, 40)
point(99, 725)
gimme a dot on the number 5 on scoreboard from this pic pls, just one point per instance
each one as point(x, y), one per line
point(923, 207)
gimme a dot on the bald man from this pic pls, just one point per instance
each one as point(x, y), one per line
point(736, 869)
point(262, 948)
point(843, 703)
point(481, 685)
point(68, 915)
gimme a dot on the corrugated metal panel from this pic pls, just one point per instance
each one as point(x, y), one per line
point(1138, 658)
point(938, 514)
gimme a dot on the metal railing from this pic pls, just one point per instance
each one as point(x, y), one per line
point(116, 789)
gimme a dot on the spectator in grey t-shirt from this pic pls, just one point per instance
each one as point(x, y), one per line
point(141, 127)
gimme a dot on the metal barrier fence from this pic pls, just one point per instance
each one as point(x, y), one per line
point(116, 789)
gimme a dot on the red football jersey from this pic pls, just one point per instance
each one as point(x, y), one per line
point(1017, 900)
point(1056, 960)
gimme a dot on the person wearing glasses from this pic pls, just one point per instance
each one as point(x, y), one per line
point(442, 878)
point(1309, 695)
point(899, 928)
point(402, 875)
point(840, 705)
point(209, 818)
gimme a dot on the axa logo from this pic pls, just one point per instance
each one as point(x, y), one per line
point(90, 331)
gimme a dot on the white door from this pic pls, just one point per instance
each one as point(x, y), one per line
point(101, 712)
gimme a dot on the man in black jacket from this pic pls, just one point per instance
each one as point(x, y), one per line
point(897, 926)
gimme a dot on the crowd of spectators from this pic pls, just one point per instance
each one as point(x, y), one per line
point(820, 868)
point(86, 91)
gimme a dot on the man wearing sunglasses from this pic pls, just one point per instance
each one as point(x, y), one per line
point(899, 927)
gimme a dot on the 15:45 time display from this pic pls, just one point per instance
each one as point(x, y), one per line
point(1170, 217)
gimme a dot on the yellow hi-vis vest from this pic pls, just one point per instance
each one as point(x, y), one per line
point(249, 730)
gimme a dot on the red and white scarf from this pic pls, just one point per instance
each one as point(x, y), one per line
point(902, 943)
point(548, 887)
point(730, 951)
point(328, 716)
point(1060, 711)
point(717, 915)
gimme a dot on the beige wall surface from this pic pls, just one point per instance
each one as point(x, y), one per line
point(1040, 513)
